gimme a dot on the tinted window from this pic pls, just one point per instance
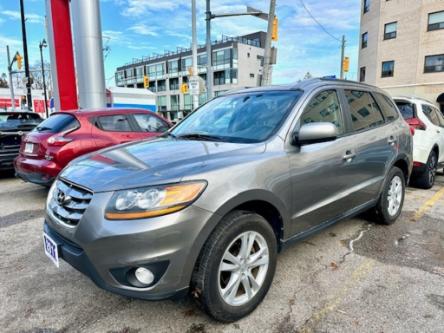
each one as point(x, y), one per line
point(407, 109)
point(364, 111)
point(431, 114)
point(387, 107)
point(149, 123)
point(246, 118)
point(59, 122)
point(324, 107)
point(115, 123)
point(388, 68)
point(18, 120)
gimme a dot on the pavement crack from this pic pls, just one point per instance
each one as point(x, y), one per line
point(351, 249)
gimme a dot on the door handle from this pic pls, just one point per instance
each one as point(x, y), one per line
point(391, 141)
point(349, 156)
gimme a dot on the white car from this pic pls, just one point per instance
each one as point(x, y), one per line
point(427, 125)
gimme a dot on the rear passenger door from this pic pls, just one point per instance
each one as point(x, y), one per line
point(148, 125)
point(375, 145)
point(112, 129)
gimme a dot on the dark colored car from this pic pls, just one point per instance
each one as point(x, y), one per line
point(66, 135)
point(13, 125)
point(207, 207)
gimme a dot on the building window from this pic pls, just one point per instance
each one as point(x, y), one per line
point(390, 30)
point(436, 21)
point(222, 57)
point(434, 64)
point(252, 75)
point(120, 77)
point(161, 85)
point(187, 102)
point(174, 84)
point(388, 69)
point(202, 60)
point(162, 103)
point(186, 63)
point(152, 86)
point(173, 66)
point(362, 74)
point(174, 102)
point(366, 6)
point(364, 40)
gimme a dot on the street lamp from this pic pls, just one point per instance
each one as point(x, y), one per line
point(41, 46)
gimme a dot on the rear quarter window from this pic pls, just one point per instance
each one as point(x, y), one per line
point(388, 108)
point(407, 109)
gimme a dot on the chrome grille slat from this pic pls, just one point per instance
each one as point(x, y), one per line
point(69, 203)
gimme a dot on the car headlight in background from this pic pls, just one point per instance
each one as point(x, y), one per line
point(153, 201)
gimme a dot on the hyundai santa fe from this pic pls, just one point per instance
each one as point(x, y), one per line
point(206, 208)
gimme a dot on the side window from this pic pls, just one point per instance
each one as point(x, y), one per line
point(365, 113)
point(388, 109)
point(431, 114)
point(149, 123)
point(324, 107)
point(115, 123)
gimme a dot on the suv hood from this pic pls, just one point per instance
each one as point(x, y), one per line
point(152, 162)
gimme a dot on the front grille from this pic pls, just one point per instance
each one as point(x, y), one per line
point(9, 150)
point(68, 202)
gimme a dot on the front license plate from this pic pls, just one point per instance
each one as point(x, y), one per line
point(51, 249)
point(29, 148)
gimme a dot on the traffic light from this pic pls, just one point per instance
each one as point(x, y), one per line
point(346, 64)
point(19, 60)
point(146, 81)
point(275, 31)
point(184, 88)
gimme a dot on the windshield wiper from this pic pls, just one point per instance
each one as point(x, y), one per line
point(167, 134)
point(200, 136)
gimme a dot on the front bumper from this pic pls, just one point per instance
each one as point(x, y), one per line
point(100, 248)
point(37, 171)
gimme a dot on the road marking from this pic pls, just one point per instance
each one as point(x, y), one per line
point(361, 271)
point(428, 205)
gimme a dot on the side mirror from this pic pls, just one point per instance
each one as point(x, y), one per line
point(315, 133)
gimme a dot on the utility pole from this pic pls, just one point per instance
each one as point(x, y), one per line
point(25, 55)
point(209, 54)
point(342, 56)
point(11, 87)
point(194, 96)
point(266, 75)
point(41, 46)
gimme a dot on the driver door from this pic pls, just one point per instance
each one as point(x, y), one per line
point(320, 171)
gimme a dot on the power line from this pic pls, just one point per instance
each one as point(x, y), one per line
point(317, 22)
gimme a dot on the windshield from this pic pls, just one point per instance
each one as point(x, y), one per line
point(58, 123)
point(18, 120)
point(245, 118)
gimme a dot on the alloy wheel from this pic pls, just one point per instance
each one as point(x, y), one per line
point(395, 194)
point(243, 268)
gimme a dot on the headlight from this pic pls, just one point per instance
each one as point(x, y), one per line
point(153, 201)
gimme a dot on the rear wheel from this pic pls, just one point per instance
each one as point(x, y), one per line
point(390, 203)
point(426, 179)
point(236, 266)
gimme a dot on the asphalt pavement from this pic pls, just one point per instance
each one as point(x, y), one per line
point(353, 277)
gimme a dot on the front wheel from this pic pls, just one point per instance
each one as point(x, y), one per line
point(390, 203)
point(236, 266)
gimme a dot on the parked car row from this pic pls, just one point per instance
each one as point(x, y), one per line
point(206, 207)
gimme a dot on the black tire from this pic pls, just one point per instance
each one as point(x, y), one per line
point(205, 280)
point(426, 179)
point(381, 212)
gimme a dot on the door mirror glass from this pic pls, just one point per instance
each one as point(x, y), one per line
point(315, 133)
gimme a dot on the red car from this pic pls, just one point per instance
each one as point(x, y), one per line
point(46, 150)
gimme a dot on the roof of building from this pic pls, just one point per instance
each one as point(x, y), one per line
point(183, 52)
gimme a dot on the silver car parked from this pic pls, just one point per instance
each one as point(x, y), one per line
point(206, 208)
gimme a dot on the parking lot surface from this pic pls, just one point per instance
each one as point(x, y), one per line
point(353, 277)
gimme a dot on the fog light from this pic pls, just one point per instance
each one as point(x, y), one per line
point(144, 275)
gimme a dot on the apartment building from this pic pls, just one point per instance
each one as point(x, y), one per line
point(236, 62)
point(402, 47)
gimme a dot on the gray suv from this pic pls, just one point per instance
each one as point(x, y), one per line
point(206, 208)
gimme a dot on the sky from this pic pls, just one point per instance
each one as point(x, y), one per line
point(136, 28)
